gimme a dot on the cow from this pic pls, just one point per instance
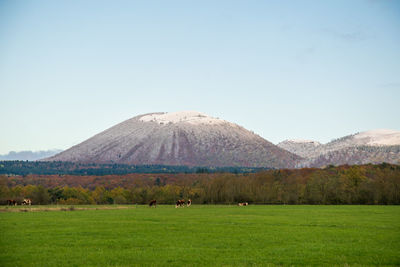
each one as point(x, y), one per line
point(153, 203)
point(189, 202)
point(26, 201)
point(11, 202)
point(180, 203)
point(243, 204)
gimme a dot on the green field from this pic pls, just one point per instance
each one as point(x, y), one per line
point(203, 235)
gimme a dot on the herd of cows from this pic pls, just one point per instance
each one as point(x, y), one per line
point(153, 203)
point(13, 202)
point(179, 203)
point(182, 203)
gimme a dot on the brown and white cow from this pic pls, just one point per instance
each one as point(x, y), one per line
point(26, 201)
point(153, 203)
point(180, 203)
point(189, 202)
point(243, 204)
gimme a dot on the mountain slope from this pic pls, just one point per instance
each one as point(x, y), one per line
point(180, 138)
point(355, 155)
point(375, 146)
point(303, 148)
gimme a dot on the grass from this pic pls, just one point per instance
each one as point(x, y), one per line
point(202, 236)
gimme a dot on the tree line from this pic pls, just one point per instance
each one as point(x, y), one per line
point(18, 167)
point(361, 184)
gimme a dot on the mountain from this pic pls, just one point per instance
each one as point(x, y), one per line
point(29, 155)
point(355, 156)
point(303, 148)
point(179, 138)
point(375, 146)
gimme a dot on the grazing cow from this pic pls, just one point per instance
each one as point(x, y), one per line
point(26, 201)
point(243, 204)
point(189, 202)
point(11, 202)
point(180, 203)
point(153, 203)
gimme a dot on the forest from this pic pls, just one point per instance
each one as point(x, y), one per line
point(358, 184)
point(18, 167)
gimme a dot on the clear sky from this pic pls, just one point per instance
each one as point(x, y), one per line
point(283, 69)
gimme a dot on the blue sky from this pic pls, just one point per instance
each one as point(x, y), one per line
point(283, 69)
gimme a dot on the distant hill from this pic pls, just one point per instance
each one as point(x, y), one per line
point(187, 138)
point(29, 155)
point(375, 146)
point(303, 148)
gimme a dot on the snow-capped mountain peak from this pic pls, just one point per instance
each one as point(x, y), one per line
point(192, 117)
point(379, 137)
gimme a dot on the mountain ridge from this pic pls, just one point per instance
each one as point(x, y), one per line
point(29, 155)
point(373, 146)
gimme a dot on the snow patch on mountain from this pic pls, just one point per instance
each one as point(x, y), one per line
point(192, 117)
point(379, 137)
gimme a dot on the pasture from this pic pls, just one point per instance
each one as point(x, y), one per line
point(202, 235)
